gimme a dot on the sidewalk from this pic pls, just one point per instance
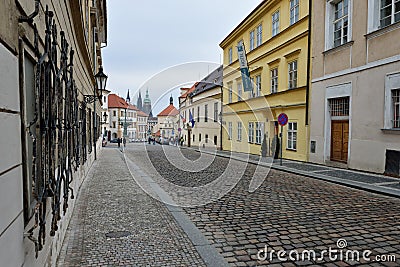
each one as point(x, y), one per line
point(115, 223)
point(356, 179)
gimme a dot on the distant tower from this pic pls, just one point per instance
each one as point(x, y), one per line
point(147, 103)
point(128, 98)
point(139, 103)
point(171, 100)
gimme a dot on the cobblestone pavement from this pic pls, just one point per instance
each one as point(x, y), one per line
point(116, 224)
point(288, 212)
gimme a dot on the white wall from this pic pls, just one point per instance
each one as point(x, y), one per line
point(11, 207)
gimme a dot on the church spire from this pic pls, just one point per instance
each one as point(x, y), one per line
point(128, 98)
point(147, 103)
point(139, 103)
point(171, 100)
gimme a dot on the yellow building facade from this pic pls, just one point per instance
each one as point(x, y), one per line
point(275, 36)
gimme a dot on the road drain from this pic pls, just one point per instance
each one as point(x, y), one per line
point(122, 180)
point(118, 234)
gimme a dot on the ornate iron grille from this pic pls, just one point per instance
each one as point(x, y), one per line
point(83, 132)
point(89, 133)
point(54, 129)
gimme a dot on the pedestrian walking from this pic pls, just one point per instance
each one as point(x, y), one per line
point(124, 141)
point(119, 142)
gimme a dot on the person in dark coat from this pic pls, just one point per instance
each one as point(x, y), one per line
point(119, 142)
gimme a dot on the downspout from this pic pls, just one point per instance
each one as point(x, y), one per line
point(308, 60)
point(222, 107)
point(307, 115)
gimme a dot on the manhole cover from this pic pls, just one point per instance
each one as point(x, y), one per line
point(118, 234)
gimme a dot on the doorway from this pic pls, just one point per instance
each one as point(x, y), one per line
point(339, 140)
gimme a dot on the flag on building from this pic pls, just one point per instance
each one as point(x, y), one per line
point(244, 69)
point(191, 119)
point(183, 118)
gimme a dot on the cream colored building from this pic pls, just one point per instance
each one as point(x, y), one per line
point(167, 123)
point(81, 27)
point(204, 102)
point(122, 112)
point(356, 85)
point(142, 125)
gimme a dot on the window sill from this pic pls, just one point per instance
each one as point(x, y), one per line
point(380, 31)
point(391, 131)
point(338, 48)
point(291, 149)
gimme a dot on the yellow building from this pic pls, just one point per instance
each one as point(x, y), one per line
point(276, 37)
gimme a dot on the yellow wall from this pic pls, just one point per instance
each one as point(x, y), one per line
point(274, 52)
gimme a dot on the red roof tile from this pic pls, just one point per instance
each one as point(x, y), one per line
point(188, 90)
point(169, 111)
point(115, 101)
point(142, 114)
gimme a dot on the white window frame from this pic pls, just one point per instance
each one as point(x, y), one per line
point(206, 113)
point(252, 40)
point(330, 18)
point(230, 130)
point(251, 93)
point(240, 90)
point(274, 80)
point(275, 23)
point(343, 35)
point(259, 35)
point(215, 111)
point(230, 94)
point(258, 85)
point(239, 131)
point(392, 82)
point(292, 74)
point(396, 108)
point(392, 13)
point(294, 11)
point(259, 132)
point(251, 132)
point(292, 136)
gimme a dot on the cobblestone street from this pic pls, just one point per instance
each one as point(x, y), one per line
point(287, 212)
point(117, 224)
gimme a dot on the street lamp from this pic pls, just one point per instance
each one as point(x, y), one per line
point(105, 116)
point(101, 80)
point(125, 126)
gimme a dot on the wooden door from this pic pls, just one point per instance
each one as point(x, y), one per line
point(339, 140)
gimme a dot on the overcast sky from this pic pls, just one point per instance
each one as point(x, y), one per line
point(149, 37)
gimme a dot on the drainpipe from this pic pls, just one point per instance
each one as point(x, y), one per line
point(220, 131)
point(307, 115)
point(308, 60)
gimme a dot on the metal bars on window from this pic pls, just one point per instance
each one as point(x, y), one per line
point(339, 107)
point(54, 130)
